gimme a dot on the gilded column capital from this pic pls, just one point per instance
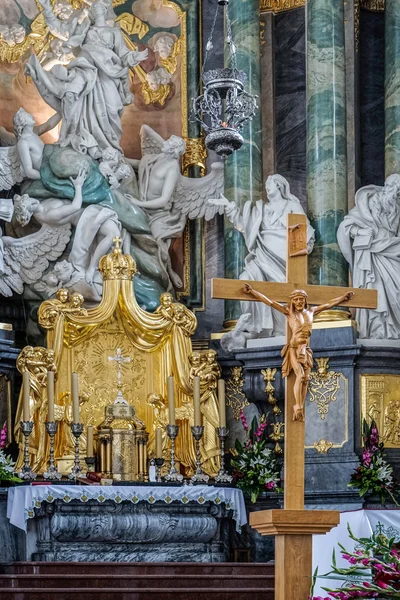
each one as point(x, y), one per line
point(277, 6)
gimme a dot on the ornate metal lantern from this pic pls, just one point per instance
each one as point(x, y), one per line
point(224, 107)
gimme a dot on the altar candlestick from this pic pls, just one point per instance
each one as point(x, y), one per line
point(158, 442)
point(89, 449)
point(221, 402)
point(196, 401)
point(27, 388)
point(50, 396)
point(75, 398)
point(171, 401)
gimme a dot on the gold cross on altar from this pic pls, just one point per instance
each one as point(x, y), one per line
point(294, 526)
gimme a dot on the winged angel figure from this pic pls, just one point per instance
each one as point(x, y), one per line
point(169, 198)
point(24, 260)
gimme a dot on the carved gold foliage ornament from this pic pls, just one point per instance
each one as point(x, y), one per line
point(280, 5)
point(269, 377)
point(276, 436)
point(235, 397)
point(323, 386)
point(323, 446)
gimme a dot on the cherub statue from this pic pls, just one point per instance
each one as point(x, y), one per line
point(169, 198)
point(297, 354)
point(113, 168)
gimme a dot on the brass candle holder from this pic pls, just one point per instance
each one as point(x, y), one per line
point(223, 476)
point(26, 472)
point(159, 464)
point(173, 475)
point(52, 473)
point(77, 430)
point(199, 475)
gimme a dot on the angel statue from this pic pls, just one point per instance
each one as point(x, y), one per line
point(90, 91)
point(263, 226)
point(21, 152)
point(168, 197)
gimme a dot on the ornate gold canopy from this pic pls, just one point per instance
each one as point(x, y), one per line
point(158, 345)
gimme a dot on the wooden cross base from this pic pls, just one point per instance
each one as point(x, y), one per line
point(293, 546)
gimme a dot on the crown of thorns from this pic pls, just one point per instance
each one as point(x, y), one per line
point(299, 293)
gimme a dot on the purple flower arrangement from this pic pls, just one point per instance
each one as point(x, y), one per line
point(373, 571)
point(256, 467)
point(374, 475)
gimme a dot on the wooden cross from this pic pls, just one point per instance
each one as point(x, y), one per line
point(293, 526)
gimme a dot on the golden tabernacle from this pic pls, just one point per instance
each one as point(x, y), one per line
point(151, 347)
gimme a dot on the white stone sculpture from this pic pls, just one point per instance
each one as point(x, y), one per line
point(369, 238)
point(237, 338)
point(113, 167)
point(263, 226)
point(95, 226)
point(25, 260)
point(168, 197)
point(92, 90)
point(21, 153)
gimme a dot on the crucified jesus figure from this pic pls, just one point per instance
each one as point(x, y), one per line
point(297, 354)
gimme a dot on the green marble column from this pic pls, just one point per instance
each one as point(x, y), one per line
point(392, 87)
point(326, 138)
point(243, 169)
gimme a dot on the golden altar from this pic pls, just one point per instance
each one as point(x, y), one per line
point(158, 344)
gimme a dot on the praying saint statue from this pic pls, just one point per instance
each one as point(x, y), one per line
point(297, 354)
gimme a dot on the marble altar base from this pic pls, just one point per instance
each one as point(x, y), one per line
point(125, 523)
point(107, 532)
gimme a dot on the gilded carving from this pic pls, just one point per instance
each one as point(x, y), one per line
point(235, 397)
point(374, 5)
point(158, 345)
point(380, 401)
point(195, 155)
point(276, 436)
point(269, 377)
point(280, 5)
point(323, 386)
point(323, 446)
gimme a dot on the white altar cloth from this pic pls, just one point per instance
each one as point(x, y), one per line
point(22, 500)
point(362, 523)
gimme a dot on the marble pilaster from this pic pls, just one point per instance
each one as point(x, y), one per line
point(290, 89)
point(326, 138)
point(392, 87)
point(372, 105)
point(243, 170)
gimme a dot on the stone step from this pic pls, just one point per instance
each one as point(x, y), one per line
point(110, 593)
point(107, 568)
point(136, 581)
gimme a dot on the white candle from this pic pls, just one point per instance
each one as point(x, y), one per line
point(171, 400)
point(196, 401)
point(26, 380)
point(89, 436)
point(221, 403)
point(50, 396)
point(75, 398)
point(158, 442)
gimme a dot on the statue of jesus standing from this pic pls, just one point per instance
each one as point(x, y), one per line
point(297, 354)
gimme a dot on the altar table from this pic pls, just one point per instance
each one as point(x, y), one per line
point(362, 523)
point(134, 523)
